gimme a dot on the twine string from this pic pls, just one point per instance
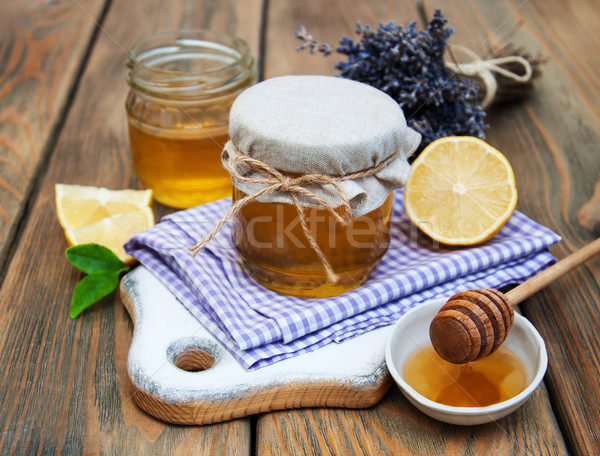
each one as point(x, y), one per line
point(273, 180)
point(485, 69)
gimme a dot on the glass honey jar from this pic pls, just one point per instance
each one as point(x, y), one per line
point(314, 161)
point(182, 86)
point(277, 255)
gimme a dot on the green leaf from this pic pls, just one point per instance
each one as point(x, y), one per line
point(91, 258)
point(92, 288)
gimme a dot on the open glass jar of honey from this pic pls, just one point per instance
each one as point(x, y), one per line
point(182, 86)
point(314, 161)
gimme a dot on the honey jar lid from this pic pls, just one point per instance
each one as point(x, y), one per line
point(321, 125)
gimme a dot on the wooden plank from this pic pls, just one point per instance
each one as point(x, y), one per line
point(551, 141)
point(42, 48)
point(393, 426)
point(66, 389)
point(328, 21)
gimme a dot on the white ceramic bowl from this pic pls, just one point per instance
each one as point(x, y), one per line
point(412, 331)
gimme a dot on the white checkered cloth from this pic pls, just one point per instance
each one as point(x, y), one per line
point(260, 327)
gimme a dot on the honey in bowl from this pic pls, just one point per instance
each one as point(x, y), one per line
point(490, 380)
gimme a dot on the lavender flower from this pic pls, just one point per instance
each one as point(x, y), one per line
point(409, 66)
point(310, 43)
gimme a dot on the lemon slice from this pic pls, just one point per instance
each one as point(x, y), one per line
point(78, 205)
point(461, 191)
point(114, 231)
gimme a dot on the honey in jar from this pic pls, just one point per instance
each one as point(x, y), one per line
point(277, 255)
point(489, 380)
point(182, 87)
point(181, 170)
point(314, 161)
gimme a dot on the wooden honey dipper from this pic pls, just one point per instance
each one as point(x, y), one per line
point(474, 323)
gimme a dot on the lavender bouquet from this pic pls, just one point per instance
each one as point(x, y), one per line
point(409, 66)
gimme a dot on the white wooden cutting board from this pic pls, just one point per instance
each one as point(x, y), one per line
point(181, 374)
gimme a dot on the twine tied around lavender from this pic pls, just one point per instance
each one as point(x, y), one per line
point(484, 69)
point(273, 180)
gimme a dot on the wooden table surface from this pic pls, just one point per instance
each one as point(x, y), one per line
point(63, 383)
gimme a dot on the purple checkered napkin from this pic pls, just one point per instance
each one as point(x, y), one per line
point(259, 326)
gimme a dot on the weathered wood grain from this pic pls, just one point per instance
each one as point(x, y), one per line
point(64, 383)
point(328, 21)
point(394, 428)
point(42, 48)
point(551, 140)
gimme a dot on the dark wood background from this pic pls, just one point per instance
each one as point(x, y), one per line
point(63, 383)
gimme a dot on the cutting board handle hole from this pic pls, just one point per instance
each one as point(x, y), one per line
point(194, 360)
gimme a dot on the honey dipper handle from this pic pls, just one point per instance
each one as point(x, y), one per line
point(539, 281)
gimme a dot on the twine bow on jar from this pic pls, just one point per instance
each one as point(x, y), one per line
point(273, 180)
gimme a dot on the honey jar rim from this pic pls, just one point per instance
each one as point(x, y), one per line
point(189, 45)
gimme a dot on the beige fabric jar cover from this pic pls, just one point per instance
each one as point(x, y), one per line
point(321, 125)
